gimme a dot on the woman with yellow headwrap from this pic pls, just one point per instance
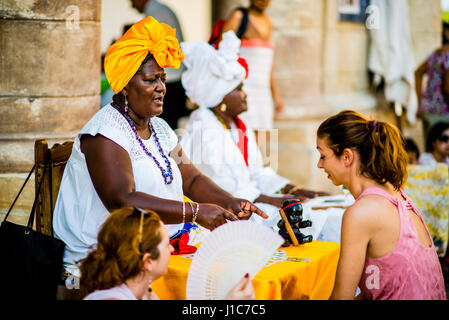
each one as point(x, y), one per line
point(127, 156)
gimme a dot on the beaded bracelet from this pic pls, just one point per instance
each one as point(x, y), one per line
point(196, 213)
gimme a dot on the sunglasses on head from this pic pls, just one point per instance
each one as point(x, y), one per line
point(444, 138)
point(140, 234)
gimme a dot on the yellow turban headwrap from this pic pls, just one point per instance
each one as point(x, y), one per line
point(125, 56)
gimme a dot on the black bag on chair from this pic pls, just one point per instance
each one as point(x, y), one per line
point(31, 262)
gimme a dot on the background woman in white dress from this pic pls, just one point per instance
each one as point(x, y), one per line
point(257, 48)
point(216, 139)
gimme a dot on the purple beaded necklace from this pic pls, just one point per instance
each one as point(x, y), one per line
point(167, 174)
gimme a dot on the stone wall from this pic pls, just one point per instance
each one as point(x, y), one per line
point(49, 80)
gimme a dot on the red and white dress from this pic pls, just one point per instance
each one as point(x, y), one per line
point(259, 56)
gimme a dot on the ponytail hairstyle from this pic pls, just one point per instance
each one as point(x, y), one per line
point(378, 144)
point(123, 239)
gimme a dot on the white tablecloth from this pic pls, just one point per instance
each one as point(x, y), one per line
point(326, 223)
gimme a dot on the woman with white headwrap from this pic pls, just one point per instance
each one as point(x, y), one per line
point(216, 139)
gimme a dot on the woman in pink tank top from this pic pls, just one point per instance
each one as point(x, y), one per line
point(386, 249)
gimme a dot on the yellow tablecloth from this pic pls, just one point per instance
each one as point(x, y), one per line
point(285, 280)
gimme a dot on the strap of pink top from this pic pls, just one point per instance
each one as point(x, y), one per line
point(380, 192)
point(403, 206)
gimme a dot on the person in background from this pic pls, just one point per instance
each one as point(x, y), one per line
point(433, 103)
point(175, 99)
point(412, 151)
point(132, 251)
point(257, 49)
point(445, 33)
point(437, 145)
point(217, 140)
point(386, 248)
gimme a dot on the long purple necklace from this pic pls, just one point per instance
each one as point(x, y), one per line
point(167, 174)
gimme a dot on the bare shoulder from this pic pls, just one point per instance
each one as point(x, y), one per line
point(267, 17)
point(98, 144)
point(366, 211)
point(356, 227)
point(236, 15)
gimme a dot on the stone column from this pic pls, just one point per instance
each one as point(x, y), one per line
point(50, 64)
point(298, 35)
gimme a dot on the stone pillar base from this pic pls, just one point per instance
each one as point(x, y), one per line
point(10, 184)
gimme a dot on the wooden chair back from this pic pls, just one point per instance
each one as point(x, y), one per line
point(55, 158)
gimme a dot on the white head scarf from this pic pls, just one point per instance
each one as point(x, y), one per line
point(211, 74)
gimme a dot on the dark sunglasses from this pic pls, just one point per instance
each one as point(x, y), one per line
point(444, 138)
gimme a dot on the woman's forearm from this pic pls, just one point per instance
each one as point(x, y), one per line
point(170, 211)
point(418, 87)
point(203, 189)
point(419, 74)
point(273, 87)
point(198, 187)
point(114, 183)
point(286, 189)
point(263, 198)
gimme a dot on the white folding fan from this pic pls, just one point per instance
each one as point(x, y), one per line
point(226, 255)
